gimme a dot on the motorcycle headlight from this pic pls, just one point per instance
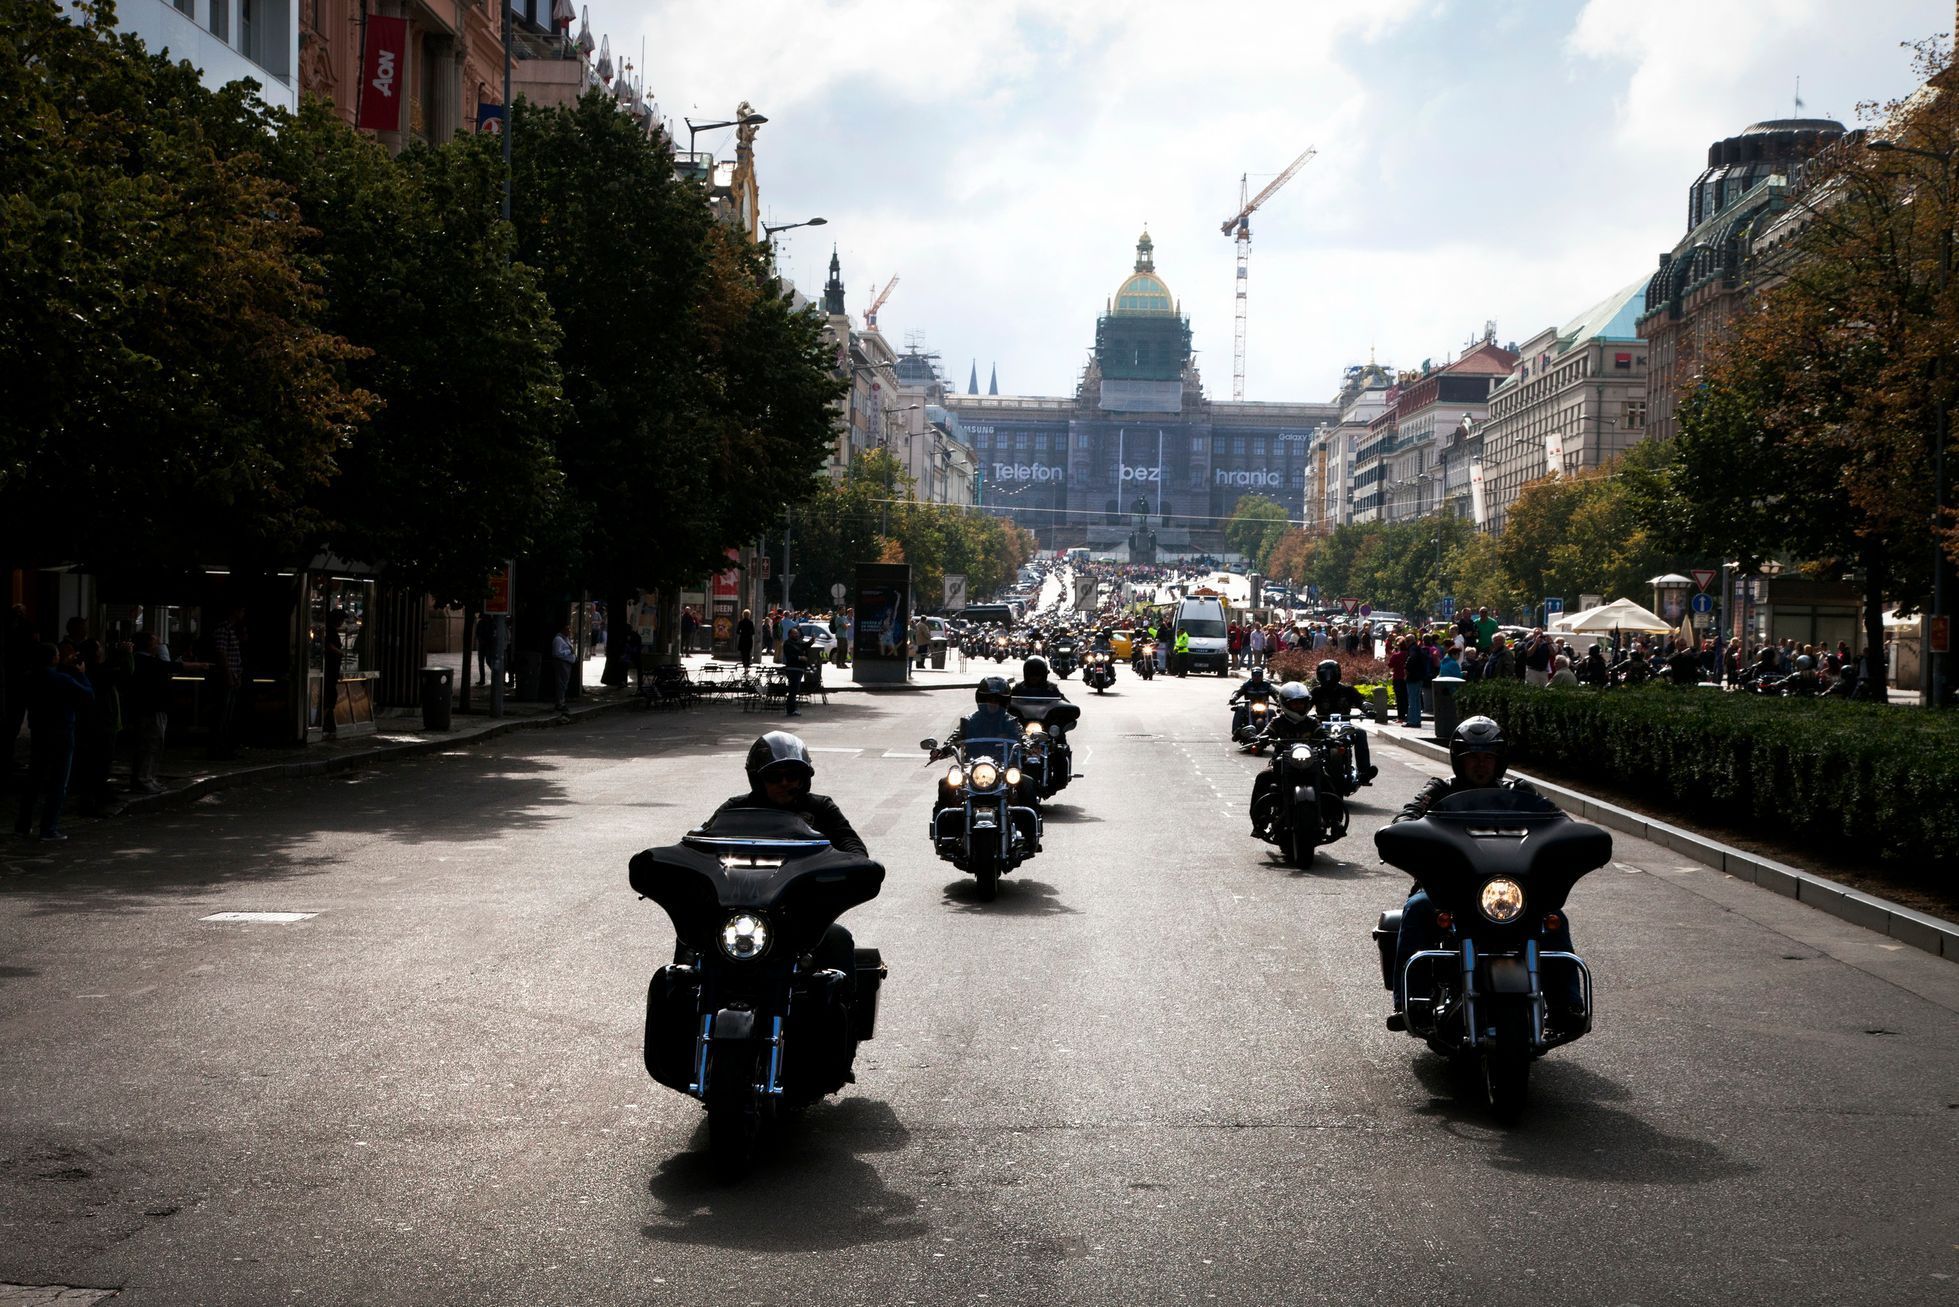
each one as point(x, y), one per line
point(1013, 775)
point(985, 774)
point(955, 776)
point(1301, 754)
point(1035, 728)
point(1259, 709)
point(1502, 900)
point(745, 935)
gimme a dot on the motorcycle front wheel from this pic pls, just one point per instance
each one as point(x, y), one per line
point(733, 1131)
point(1302, 847)
point(1506, 1065)
point(986, 871)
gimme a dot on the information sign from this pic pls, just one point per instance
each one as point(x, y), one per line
point(1553, 604)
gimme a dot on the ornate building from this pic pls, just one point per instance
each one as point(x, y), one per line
point(1138, 436)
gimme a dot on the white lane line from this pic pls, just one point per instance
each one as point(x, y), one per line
point(897, 753)
point(262, 918)
point(820, 749)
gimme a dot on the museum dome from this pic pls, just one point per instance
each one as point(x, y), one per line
point(1144, 293)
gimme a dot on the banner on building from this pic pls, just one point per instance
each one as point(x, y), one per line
point(1476, 498)
point(1554, 454)
point(383, 74)
point(489, 118)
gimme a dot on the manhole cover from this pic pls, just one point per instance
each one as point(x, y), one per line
point(261, 918)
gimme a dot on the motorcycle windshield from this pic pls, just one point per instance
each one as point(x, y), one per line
point(1049, 712)
point(1471, 836)
point(758, 860)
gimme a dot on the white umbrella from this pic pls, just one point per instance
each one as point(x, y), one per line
point(1620, 615)
point(561, 15)
point(1563, 621)
point(584, 42)
point(605, 60)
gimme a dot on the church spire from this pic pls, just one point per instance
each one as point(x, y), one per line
point(972, 384)
point(1146, 253)
point(833, 288)
point(993, 382)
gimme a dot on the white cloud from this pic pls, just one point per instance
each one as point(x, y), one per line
point(1001, 155)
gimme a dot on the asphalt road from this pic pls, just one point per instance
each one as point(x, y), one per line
point(1154, 1071)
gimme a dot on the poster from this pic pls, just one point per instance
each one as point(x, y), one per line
point(883, 612)
point(383, 71)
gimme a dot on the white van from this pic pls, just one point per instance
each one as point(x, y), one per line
point(1203, 621)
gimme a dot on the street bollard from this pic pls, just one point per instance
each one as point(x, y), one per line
point(436, 682)
point(1380, 705)
point(1444, 689)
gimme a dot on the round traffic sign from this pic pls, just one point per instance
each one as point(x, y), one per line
point(1702, 603)
point(837, 592)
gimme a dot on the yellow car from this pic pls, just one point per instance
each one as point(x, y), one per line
point(1119, 642)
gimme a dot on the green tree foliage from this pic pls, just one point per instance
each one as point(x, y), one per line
point(168, 392)
point(455, 470)
point(1255, 526)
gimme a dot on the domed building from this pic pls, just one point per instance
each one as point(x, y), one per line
point(1138, 438)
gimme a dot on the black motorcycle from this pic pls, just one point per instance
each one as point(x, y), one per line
point(1498, 866)
point(1248, 722)
point(1144, 660)
point(1098, 670)
point(992, 825)
point(1046, 756)
point(1338, 755)
point(1062, 656)
point(750, 1018)
point(1299, 811)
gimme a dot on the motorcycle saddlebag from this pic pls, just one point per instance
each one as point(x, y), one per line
point(1387, 934)
point(870, 977)
point(673, 1006)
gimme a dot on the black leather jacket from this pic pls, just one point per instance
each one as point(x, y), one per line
point(1441, 787)
point(819, 810)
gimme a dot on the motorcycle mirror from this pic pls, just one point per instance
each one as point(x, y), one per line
point(928, 744)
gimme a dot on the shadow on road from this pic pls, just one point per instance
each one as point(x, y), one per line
point(809, 1190)
point(1018, 898)
point(1568, 1131)
point(1068, 814)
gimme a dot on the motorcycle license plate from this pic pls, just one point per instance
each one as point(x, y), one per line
point(985, 823)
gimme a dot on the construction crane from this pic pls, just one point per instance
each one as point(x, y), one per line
point(1240, 225)
point(870, 314)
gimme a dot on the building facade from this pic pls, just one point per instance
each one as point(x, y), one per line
point(1427, 410)
point(1576, 399)
point(1732, 207)
point(225, 40)
point(1365, 394)
point(1139, 438)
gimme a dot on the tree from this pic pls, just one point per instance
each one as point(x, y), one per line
point(168, 393)
point(1255, 526)
point(1586, 532)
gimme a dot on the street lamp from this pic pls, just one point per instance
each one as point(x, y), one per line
point(1941, 423)
point(694, 128)
point(768, 232)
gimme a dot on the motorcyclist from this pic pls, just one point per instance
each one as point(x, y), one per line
point(1034, 682)
point(1478, 757)
point(1256, 687)
point(1295, 720)
point(1331, 695)
point(1806, 682)
point(779, 776)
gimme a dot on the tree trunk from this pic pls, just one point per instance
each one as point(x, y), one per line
point(1874, 660)
point(616, 672)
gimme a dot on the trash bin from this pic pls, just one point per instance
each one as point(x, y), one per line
point(1382, 708)
point(530, 676)
point(1444, 688)
point(436, 686)
point(938, 655)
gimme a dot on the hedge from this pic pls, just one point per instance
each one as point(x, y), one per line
point(1879, 779)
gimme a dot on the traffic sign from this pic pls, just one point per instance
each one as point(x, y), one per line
point(1702, 604)
point(955, 591)
point(1553, 604)
point(1351, 605)
point(1448, 607)
point(837, 592)
point(1367, 610)
point(1703, 578)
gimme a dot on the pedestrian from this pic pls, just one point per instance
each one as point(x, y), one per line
point(1562, 676)
point(1537, 660)
point(98, 724)
point(745, 638)
point(840, 629)
point(333, 649)
point(795, 657)
point(1417, 670)
point(228, 640)
point(486, 636)
point(1450, 665)
point(563, 657)
point(921, 641)
point(147, 708)
point(688, 625)
point(55, 693)
point(1486, 628)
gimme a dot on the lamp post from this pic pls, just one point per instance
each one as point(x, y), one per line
point(694, 128)
point(768, 232)
point(1941, 424)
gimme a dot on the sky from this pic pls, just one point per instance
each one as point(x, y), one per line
point(1513, 161)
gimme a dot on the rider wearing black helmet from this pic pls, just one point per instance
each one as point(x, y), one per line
point(1034, 682)
point(1293, 721)
point(1254, 687)
point(1478, 757)
point(779, 776)
point(1331, 696)
point(988, 721)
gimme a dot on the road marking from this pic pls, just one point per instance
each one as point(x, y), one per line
point(898, 753)
point(262, 918)
point(816, 749)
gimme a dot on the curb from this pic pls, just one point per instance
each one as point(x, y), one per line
point(1926, 933)
point(136, 804)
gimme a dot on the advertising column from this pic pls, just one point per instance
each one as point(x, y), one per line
point(881, 654)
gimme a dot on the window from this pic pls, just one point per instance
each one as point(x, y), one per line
point(1258, 447)
point(1635, 414)
point(1020, 440)
point(1041, 442)
point(1238, 444)
point(221, 20)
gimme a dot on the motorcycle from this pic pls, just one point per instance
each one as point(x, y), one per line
point(1248, 722)
point(1299, 811)
point(1061, 657)
point(1144, 660)
point(748, 1018)
point(1498, 867)
point(994, 826)
point(1098, 670)
point(1046, 756)
point(1339, 756)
